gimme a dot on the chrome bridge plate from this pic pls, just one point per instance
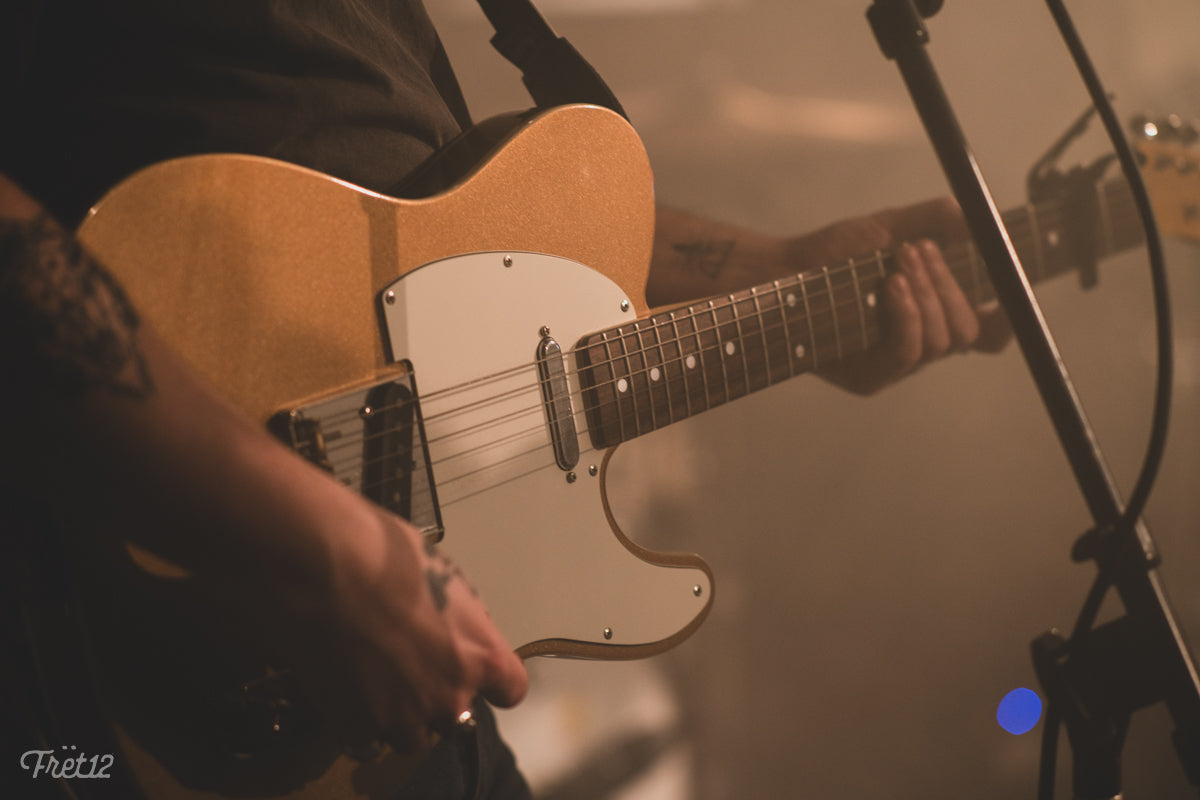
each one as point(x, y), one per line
point(373, 441)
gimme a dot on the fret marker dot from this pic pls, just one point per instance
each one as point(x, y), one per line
point(800, 351)
point(1052, 238)
point(622, 385)
point(691, 362)
point(654, 373)
point(791, 300)
point(871, 300)
point(729, 348)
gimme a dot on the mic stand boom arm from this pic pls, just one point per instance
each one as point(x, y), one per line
point(1096, 715)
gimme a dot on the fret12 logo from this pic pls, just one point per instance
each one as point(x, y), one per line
point(44, 763)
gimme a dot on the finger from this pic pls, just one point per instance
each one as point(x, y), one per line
point(492, 668)
point(897, 354)
point(995, 332)
point(962, 324)
point(939, 218)
point(935, 335)
point(902, 342)
point(509, 681)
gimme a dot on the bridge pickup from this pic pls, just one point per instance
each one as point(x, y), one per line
point(373, 441)
point(556, 395)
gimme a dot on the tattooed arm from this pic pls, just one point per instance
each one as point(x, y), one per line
point(926, 314)
point(384, 633)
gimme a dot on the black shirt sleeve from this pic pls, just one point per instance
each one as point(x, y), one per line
point(359, 89)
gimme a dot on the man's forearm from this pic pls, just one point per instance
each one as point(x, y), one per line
point(108, 411)
point(65, 324)
point(697, 257)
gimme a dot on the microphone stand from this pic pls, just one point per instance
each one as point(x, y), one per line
point(1097, 678)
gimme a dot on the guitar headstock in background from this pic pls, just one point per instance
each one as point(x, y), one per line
point(1171, 170)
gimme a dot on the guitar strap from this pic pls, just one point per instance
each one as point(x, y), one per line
point(551, 68)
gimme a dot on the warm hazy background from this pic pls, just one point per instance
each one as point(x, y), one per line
point(882, 564)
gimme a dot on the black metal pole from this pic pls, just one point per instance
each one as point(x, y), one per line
point(1129, 561)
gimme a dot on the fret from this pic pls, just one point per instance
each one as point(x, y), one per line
point(645, 374)
point(715, 380)
point(739, 348)
point(718, 351)
point(700, 357)
point(1039, 254)
point(777, 363)
point(762, 335)
point(683, 366)
point(812, 334)
point(756, 342)
point(787, 330)
point(881, 278)
point(731, 348)
point(762, 332)
point(612, 384)
point(837, 325)
point(626, 385)
point(664, 370)
point(862, 314)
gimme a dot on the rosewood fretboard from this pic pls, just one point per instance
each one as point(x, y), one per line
point(661, 369)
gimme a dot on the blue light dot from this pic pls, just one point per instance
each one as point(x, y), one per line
point(1019, 711)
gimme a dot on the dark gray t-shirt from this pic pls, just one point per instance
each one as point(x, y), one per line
point(359, 89)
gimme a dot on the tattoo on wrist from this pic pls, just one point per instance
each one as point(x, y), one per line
point(706, 256)
point(439, 573)
point(65, 323)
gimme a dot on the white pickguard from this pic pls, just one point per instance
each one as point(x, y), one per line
point(537, 546)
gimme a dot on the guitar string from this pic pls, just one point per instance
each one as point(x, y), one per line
point(537, 433)
point(538, 429)
point(629, 339)
point(821, 316)
point(633, 374)
point(539, 445)
point(1116, 191)
point(663, 404)
point(771, 309)
point(963, 252)
point(963, 261)
point(732, 301)
point(501, 482)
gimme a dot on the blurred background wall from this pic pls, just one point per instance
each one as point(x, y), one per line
point(882, 564)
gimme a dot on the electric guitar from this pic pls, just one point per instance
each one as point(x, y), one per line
point(470, 359)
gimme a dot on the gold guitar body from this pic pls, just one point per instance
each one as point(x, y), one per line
point(282, 286)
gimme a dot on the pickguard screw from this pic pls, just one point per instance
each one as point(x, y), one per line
point(592, 470)
point(390, 298)
point(624, 305)
point(571, 477)
point(508, 261)
point(608, 633)
point(697, 590)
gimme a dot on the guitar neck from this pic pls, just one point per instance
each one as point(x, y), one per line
point(670, 366)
